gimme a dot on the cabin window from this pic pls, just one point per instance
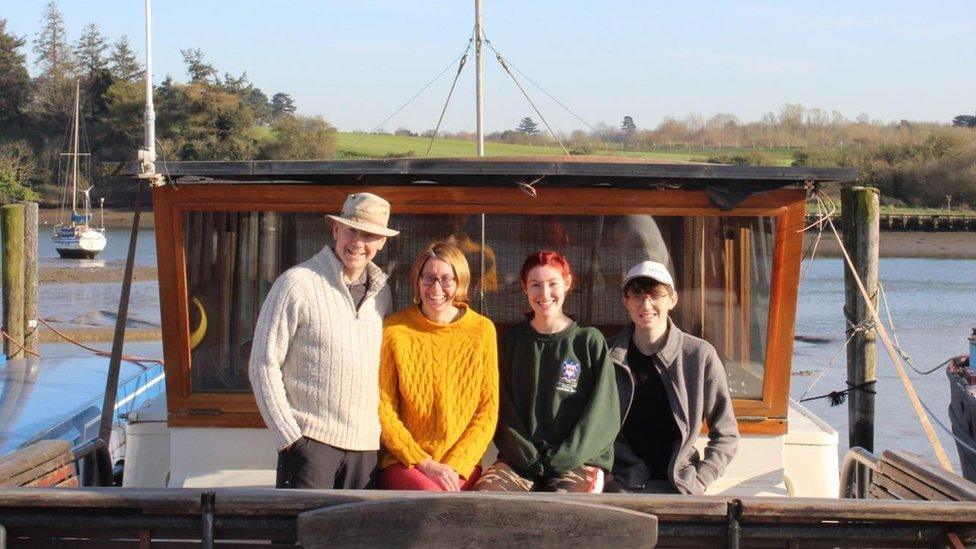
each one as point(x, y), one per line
point(722, 267)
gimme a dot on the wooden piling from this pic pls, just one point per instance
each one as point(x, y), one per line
point(12, 223)
point(861, 209)
point(30, 276)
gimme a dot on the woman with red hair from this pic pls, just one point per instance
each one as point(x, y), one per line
point(558, 407)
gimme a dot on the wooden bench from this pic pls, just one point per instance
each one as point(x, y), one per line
point(901, 475)
point(44, 464)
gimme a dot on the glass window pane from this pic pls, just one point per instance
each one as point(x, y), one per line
point(721, 266)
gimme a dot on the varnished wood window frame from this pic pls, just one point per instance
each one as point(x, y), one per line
point(189, 409)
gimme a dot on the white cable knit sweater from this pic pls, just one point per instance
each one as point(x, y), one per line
point(315, 361)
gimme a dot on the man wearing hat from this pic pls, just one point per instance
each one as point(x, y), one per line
point(315, 357)
point(668, 382)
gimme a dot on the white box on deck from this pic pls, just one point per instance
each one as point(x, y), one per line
point(147, 443)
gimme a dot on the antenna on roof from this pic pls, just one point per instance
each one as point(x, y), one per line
point(147, 156)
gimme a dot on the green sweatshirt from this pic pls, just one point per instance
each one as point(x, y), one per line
point(558, 400)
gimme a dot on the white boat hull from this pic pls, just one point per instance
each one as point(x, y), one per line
point(82, 243)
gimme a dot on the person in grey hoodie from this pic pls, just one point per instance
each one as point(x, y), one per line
point(668, 382)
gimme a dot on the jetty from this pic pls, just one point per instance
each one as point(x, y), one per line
point(964, 222)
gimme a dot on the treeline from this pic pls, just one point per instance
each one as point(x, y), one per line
point(206, 118)
point(925, 164)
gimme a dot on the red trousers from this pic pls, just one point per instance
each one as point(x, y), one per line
point(400, 477)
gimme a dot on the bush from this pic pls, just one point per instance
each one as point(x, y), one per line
point(751, 158)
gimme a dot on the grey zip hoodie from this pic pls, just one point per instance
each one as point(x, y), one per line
point(697, 388)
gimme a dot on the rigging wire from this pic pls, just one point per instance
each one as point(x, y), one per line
point(533, 82)
point(962, 443)
point(811, 252)
point(415, 96)
point(433, 136)
point(893, 347)
point(501, 61)
point(917, 404)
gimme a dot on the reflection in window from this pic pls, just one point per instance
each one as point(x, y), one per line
point(721, 265)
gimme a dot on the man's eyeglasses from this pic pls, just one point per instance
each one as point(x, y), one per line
point(446, 281)
point(639, 299)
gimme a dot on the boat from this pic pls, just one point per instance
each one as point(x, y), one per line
point(962, 407)
point(75, 238)
point(61, 398)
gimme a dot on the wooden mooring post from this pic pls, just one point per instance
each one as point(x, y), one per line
point(861, 208)
point(19, 242)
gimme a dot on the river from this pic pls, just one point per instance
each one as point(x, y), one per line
point(932, 301)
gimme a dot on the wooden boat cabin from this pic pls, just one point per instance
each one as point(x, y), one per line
point(731, 235)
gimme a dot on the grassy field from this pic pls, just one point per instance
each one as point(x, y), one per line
point(383, 146)
point(779, 157)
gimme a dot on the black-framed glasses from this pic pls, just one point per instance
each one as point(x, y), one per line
point(446, 281)
point(640, 298)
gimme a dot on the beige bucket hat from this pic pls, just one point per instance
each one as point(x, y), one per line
point(366, 212)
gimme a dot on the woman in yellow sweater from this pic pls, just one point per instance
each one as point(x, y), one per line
point(438, 380)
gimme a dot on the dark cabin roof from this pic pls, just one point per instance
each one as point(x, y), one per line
point(727, 185)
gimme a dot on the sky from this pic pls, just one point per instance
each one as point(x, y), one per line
point(355, 63)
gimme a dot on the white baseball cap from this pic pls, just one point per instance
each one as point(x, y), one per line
point(649, 269)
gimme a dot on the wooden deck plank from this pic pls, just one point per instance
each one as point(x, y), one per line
point(925, 491)
point(944, 481)
point(30, 457)
point(876, 491)
point(895, 488)
point(27, 478)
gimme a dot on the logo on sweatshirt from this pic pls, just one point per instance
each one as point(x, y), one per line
point(569, 372)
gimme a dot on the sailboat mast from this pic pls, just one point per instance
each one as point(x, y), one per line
point(480, 84)
point(74, 151)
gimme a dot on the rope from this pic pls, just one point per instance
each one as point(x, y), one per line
point(838, 397)
point(501, 60)
point(433, 136)
point(18, 345)
point(137, 360)
point(895, 358)
point(422, 90)
point(528, 188)
point(558, 102)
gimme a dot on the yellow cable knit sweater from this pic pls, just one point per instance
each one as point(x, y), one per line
point(438, 389)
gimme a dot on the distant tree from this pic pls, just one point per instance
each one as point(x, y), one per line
point(122, 61)
point(90, 51)
point(282, 105)
point(54, 55)
point(404, 132)
point(259, 104)
point(528, 126)
point(964, 121)
point(301, 137)
point(14, 80)
point(54, 87)
point(121, 130)
point(198, 69)
point(791, 116)
point(17, 167)
point(628, 127)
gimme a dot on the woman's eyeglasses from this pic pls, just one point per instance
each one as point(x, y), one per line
point(446, 281)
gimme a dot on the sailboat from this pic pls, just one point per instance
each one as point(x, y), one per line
point(75, 239)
